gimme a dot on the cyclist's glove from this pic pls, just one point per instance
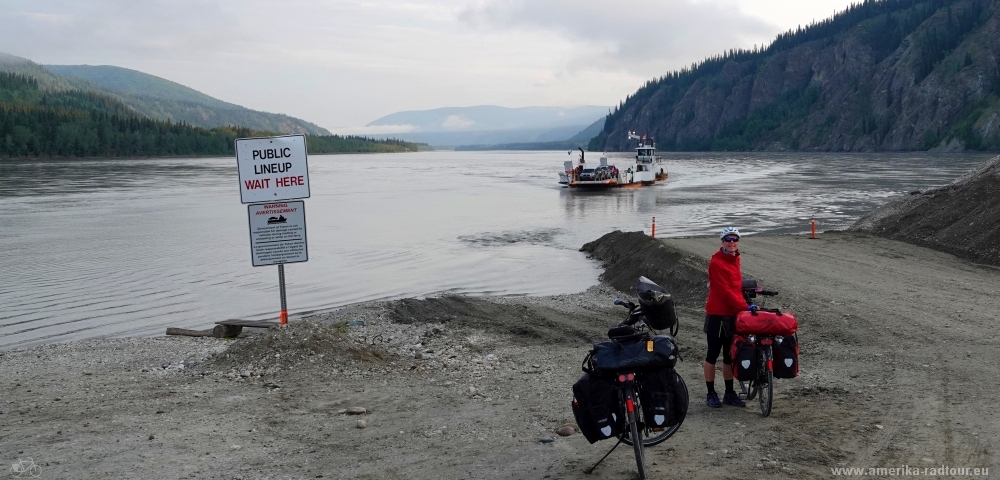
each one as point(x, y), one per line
point(753, 307)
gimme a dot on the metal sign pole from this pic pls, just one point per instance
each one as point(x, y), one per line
point(283, 318)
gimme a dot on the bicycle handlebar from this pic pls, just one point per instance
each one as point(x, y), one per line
point(759, 291)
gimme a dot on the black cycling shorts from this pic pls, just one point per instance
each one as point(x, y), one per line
point(716, 327)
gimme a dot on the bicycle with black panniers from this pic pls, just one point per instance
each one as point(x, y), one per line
point(761, 333)
point(630, 390)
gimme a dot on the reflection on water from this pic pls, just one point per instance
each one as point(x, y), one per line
point(129, 247)
point(64, 176)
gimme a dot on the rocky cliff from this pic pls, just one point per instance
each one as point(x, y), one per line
point(890, 75)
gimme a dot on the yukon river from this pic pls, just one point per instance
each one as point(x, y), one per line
point(98, 248)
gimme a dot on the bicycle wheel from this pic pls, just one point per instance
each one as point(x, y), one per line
point(651, 436)
point(640, 456)
point(766, 380)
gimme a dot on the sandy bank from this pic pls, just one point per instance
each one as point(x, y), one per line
point(962, 218)
point(899, 363)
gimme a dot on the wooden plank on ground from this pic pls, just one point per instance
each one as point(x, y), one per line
point(189, 333)
point(235, 322)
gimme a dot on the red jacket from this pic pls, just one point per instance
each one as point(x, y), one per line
point(725, 285)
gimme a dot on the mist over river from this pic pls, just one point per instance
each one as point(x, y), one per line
point(95, 248)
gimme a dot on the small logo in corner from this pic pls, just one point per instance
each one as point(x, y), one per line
point(25, 468)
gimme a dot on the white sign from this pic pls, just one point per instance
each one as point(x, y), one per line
point(278, 233)
point(272, 169)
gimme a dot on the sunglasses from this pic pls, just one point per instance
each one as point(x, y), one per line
point(731, 239)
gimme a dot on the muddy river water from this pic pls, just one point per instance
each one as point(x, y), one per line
point(95, 248)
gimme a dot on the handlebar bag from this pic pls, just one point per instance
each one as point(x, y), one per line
point(664, 398)
point(657, 304)
point(744, 355)
point(596, 408)
point(786, 357)
point(766, 322)
point(641, 354)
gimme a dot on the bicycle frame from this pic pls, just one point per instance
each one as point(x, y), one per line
point(763, 383)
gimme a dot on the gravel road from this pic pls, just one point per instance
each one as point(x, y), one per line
point(899, 357)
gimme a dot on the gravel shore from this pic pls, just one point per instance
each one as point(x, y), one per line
point(898, 360)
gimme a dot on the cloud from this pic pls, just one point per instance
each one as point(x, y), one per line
point(639, 37)
point(373, 130)
point(344, 62)
point(457, 122)
point(163, 29)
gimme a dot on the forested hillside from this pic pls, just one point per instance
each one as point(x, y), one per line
point(40, 123)
point(154, 97)
point(161, 99)
point(890, 75)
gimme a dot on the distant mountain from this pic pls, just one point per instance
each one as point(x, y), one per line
point(488, 124)
point(579, 140)
point(45, 122)
point(162, 99)
point(890, 75)
point(132, 82)
point(46, 79)
point(587, 133)
point(155, 97)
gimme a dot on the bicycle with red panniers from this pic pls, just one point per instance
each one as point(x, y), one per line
point(765, 347)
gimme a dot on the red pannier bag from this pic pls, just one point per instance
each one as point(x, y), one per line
point(766, 322)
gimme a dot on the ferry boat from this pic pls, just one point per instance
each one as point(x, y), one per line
point(646, 170)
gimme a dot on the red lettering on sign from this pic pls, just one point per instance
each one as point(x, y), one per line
point(259, 183)
point(289, 181)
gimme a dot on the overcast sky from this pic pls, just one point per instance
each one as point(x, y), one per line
point(342, 64)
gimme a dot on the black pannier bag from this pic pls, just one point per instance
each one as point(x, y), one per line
point(786, 357)
point(664, 398)
point(744, 355)
point(634, 355)
point(596, 408)
point(657, 305)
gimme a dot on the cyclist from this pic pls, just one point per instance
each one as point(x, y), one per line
point(725, 300)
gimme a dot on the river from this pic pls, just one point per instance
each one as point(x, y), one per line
point(98, 248)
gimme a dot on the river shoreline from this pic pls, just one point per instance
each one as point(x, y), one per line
point(893, 360)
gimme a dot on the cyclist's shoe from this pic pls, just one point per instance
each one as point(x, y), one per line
point(713, 400)
point(732, 398)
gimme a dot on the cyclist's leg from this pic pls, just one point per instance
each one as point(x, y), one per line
point(711, 329)
point(727, 360)
point(714, 348)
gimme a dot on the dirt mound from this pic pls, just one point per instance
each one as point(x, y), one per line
point(300, 342)
point(960, 218)
point(526, 325)
point(628, 255)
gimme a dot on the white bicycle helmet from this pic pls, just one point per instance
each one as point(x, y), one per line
point(729, 231)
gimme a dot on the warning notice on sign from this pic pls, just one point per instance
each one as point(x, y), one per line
point(278, 233)
point(272, 169)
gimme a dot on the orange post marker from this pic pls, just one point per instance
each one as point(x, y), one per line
point(812, 227)
point(283, 318)
point(654, 228)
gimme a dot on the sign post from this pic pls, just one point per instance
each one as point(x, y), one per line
point(272, 171)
